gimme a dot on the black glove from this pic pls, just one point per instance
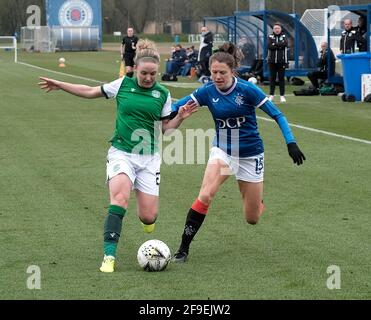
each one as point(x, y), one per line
point(295, 153)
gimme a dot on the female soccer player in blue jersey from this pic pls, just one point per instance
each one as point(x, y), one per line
point(237, 148)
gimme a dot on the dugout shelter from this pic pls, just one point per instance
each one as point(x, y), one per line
point(255, 26)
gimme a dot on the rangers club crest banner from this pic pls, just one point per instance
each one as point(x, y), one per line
point(74, 13)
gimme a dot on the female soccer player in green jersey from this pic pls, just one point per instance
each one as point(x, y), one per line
point(133, 161)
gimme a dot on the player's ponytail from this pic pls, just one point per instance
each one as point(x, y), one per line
point(229, 54)
point(146, 52)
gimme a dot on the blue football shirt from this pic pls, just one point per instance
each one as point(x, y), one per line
point(234, 114)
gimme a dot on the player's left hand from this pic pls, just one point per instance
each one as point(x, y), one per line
point(295, 153)
point(185, 111)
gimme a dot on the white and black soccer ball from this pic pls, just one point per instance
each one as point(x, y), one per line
point(62, 60)
point(253, 80)
point(154, 255)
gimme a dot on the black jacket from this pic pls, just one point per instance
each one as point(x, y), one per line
point(277, 48)
point(206, 47)
point(192, 57)
point(323, 61)
point(361, 39)
point(348, 41)
point(179, 56)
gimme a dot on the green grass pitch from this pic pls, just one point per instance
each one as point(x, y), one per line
point(53, 200)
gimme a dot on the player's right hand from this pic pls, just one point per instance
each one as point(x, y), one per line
point(187, 110)
point(49, 84)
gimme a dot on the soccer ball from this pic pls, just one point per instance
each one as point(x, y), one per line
point(253, 80)
point(154, 255)
point(62, 60)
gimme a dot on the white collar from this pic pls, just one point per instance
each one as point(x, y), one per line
point(225, 93)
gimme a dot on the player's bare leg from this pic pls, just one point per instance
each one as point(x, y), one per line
point(147, 206)
point(216, 173)
point(252, 196)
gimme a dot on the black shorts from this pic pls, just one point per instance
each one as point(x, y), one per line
point(129, 59)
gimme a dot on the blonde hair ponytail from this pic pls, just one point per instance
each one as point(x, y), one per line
point(146, 52)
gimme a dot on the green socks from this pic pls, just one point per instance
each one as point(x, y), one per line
point(112, 229)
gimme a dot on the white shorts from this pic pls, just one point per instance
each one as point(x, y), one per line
point(250, 169)
point(142, 170)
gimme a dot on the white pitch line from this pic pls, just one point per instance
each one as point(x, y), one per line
point(321, 131)
point(61, 73)
point(261, 118)
point(185, 85)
